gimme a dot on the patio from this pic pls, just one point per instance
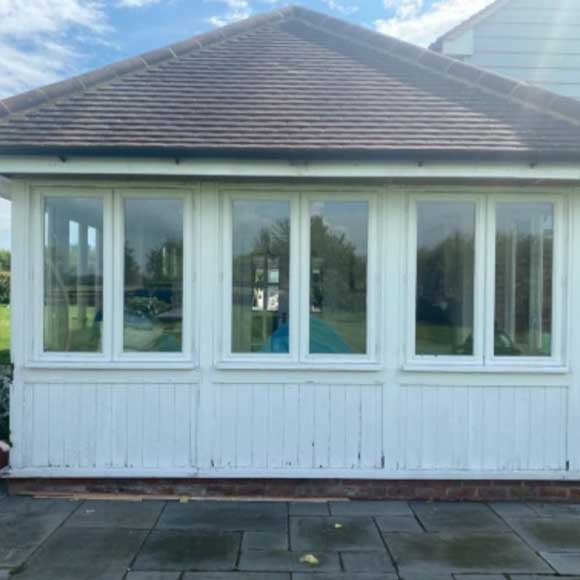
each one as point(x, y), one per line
point(42, 539)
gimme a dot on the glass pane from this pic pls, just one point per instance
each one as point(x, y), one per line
point(523, 279)
point(338, 277)
point(445, 278)
point(73, 274)
point(260, 276)
point(153, 309)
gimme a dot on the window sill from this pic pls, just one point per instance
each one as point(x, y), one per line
point(113, 365)
point(547, 369)
point(325, 366)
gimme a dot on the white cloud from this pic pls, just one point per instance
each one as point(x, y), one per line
point(344, 8)
point(235, 10)
point(136, 3)
point(34, 46)
point(415, 23)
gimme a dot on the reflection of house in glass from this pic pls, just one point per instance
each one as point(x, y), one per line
point(266, 289)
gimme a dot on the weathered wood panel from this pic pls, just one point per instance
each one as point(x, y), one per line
point(482, 429)
point(297, 427)
point(105, 426)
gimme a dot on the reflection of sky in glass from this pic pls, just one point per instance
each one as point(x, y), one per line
point(348, 218)
point(251, 217)
point(151, 223)
point(522, 216)
point(439, 220)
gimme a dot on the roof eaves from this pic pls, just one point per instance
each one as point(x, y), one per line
point(24, 102)
point(437, 45)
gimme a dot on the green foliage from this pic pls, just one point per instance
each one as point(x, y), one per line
point(4, 287)
point(4, 396)
point(4, 261)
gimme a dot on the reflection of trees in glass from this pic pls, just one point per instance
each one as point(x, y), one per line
point(523, 292)
point(444, 310)
point(338, 274)
point(260, 289)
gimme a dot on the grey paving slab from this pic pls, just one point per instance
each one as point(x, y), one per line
point(480, 577)
point(344, 576)
point(542, 577)
point(463, 553)
point(370, 508)
point(117, 514)
point(334, 534)
point(367, 562)
point(285, 561)
point(153, 576)
point(276, 540)
point(513, 510)
point(553, 534)
point(402, 524)
point(4, 574)
point(25, 523)
point(174, 550)
point(90, 554)
point(224, 516)
point(555, 509)
point(427, 576)
point(309, 508)
point(454, 517)
point(563, 563)
point(237, 576)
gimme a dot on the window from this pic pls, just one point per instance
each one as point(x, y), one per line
point(261, 276)
point(338, 277)
point(117, 277)
point(153, 275)
point(296, 279)
point(524, 242)
point(495, 310)
point(444, 310)
point(73, 274)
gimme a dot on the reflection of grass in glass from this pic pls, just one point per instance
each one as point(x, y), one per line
point(441, 339)
point(83, 337)
point(4, 334)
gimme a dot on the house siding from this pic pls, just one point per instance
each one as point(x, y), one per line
point(214, 421)
point(535, 41)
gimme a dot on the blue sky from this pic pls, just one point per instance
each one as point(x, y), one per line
point(43, 41)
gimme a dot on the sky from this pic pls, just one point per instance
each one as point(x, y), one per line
point(43, 41)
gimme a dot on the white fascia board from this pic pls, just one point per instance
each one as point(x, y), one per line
point(5, 191)
point(28, 166)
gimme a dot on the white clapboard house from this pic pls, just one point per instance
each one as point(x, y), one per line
point(536, 41)
point(294, 248)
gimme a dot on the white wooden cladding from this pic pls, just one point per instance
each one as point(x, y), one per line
point(105, 426)
point(288, 429)
point(305, 427)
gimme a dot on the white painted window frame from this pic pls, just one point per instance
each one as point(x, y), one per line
point(441, 362)
point(484, 359)
point(38, 234)
point(188, 319)
point(111, 355)
point(559, 280)
point(300, 198)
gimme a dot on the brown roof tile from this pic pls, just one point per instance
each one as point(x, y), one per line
point(292, 82)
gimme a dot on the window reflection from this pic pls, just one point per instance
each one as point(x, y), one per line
point(523, 279)
point(260, 281)
point(338, 277)
point(73, 274)
point(153, 275)
point(445, 278)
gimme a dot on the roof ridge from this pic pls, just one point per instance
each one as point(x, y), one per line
point(539, 99)
point(490, 8)
point(29, 100)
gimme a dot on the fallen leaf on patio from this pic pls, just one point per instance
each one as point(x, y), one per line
point(310, 559)
point(183, 499)
point(338, 526)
